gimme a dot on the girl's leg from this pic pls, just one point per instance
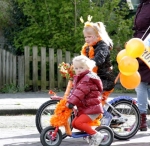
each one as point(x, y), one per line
point(73, 123)
point(81, 123)
point(105, 96)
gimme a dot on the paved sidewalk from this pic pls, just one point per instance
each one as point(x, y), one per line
point(23, 103)
point(29, 102)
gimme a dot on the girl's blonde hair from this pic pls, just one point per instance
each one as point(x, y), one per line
point(98, 29)
point(85, 61)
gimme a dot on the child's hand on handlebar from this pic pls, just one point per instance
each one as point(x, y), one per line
point(69, 105)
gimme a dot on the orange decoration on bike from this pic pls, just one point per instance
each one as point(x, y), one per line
point(66, 70)
point(130, 82)
point(61, 116)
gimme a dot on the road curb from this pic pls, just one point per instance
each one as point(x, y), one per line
point(26, 111)
point(18, 111)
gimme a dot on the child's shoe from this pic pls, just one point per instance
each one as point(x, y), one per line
point(87, 138)
point(96, 139)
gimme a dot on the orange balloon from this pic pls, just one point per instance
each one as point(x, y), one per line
point(130, 82)
point(121, 54)
point(135, 47)
point(128, 65)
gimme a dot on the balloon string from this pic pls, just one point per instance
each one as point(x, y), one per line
point(145, 32)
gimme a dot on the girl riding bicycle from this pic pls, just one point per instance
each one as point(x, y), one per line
point(97, 47)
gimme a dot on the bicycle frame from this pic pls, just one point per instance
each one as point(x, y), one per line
point(107, 117)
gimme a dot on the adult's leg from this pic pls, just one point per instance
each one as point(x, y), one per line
point(148, 90)
point(148, 100)
point(142, 95)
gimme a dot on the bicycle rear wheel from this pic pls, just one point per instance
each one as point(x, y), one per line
point(44, 114)
point(127, 125)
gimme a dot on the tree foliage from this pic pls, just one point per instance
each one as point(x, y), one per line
point(17, 22)
point(5, 7)
point(56, 24)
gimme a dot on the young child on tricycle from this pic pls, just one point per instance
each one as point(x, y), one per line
point(85, 95)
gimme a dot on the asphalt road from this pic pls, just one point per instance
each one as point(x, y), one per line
point(20, 130)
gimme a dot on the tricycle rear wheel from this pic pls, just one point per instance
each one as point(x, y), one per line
point(108, 135)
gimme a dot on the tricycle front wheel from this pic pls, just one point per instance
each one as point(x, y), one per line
point(45, 112)
point(48, 140)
